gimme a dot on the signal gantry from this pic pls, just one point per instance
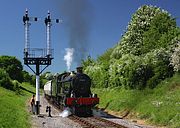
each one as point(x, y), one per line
point(38, 56)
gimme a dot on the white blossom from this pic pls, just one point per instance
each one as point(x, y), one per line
point(175, 58)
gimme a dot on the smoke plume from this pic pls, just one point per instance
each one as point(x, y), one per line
point(77, 15)
point(69, 57)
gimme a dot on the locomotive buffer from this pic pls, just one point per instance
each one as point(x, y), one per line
point(37, 56)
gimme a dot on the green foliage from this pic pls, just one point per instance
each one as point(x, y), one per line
point(47, 76)
point(16, 87)
point(12, 66)
point(32, 78)
point(94, 70)
point(159, 105)
point(133, 72)
point(160, 33)
point(142, 57)
point(5, 80)
point(33, 81)
point(130, 71)
point(98, 75)
point(43, 80)
point(105, 58)
point(26, 76)
point(99, 68)
point(175, 57)
point(159, 60)
point(89, 61)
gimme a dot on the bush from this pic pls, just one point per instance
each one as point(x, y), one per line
point(138, 72)
point(12, 66)
point(130, 71)
point(16, 86)
point(98, 76)
point(26, 76)
point(161, 68)
point(175, 58)
point(5, 80)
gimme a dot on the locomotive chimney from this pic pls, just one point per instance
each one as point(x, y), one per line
point(79, 69)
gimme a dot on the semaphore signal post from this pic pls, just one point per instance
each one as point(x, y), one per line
point(37, 56)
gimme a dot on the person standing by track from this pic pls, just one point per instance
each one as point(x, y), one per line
point(32, 101)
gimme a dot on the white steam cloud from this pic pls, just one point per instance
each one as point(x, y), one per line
point(69, 57)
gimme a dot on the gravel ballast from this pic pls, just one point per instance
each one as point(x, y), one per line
point(43, 121)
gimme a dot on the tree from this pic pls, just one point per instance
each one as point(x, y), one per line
point(159, 60)
point(130, 71)
point(5, 80)
point(149, 25)
point(105, 58)
point(160, 34)
point(142, 57)
point(26, 76)
point(12, 66)
point(88, 61)
point(98, 75)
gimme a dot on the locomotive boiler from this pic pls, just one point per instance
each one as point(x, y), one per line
point(72, 90)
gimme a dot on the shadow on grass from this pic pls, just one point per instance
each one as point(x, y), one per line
point(26, 90)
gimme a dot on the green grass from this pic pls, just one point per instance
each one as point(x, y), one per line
point(160, 106)
point(13, 109)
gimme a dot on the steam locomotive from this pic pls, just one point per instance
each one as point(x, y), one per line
point(72, 90)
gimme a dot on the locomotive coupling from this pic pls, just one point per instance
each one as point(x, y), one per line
point(48, 109)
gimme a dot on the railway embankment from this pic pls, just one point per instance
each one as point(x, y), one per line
point(13, 110)
point(158, 106)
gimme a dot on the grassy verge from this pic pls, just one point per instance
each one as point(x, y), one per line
point(13, 110)
point(160, 106)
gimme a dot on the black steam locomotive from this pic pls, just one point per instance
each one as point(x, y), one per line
point(72, 90)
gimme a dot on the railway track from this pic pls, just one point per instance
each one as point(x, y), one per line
point(89, 122)
point(95, 122)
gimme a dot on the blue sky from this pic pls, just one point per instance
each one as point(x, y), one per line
point(107, 22)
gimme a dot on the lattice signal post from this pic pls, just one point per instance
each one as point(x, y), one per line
point(37, 56)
